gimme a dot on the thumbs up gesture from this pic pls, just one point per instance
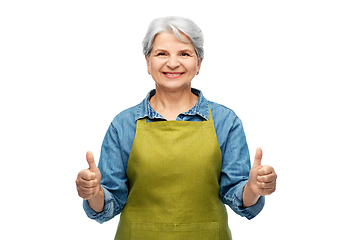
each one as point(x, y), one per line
point(262, 179)
point(88, 180)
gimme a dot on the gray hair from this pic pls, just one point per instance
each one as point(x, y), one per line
point(176, 25)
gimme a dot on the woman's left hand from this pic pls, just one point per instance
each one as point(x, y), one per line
point(262, 179)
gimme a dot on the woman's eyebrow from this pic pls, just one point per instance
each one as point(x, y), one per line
point(186, 50)
point(160, 50)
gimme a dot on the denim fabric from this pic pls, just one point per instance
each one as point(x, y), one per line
point(117, 144)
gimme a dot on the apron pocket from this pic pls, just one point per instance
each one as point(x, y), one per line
point(189, 231)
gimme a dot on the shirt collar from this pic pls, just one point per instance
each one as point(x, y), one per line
point(201, 107)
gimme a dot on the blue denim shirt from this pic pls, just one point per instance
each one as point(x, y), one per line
point(116, 147)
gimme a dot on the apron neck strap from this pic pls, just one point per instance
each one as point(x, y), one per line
point(209, 119)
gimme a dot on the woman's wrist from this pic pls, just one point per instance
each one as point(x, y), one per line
point(249, 197)
point(97, 202)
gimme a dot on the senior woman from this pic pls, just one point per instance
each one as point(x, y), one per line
point(170, 163)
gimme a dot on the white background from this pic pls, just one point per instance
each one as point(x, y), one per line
point(289, 69)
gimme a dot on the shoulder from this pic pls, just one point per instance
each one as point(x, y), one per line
point(226, 122)
point(228, 127)
point(127, 114)
point(222, 114)
point(125, 119)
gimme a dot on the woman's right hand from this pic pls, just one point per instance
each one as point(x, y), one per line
point(88, 180)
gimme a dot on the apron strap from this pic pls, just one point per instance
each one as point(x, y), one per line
point(143, 120)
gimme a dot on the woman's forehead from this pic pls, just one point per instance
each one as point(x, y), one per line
point(168, 40)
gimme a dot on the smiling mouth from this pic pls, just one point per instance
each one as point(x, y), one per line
point(173, 74)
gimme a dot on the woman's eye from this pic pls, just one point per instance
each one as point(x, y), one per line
point(160, 54)
point(185, 54)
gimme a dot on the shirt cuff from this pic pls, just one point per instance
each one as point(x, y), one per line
point(107, 212)
point(249, 212)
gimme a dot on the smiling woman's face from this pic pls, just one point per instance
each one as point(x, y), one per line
point(172, 63)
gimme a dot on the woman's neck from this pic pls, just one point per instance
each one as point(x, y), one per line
point(171, 104)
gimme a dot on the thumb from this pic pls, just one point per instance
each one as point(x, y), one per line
point(91, 162)
point(258, 157)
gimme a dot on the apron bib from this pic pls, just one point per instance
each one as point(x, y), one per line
point(174, 173)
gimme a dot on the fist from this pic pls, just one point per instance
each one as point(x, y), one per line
point(88, 180)
point(262, 179)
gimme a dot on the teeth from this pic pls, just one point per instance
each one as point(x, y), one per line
point(171, 74)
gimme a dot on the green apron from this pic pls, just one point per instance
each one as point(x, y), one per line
point(174, 174)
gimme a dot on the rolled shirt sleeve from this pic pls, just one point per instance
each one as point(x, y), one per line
point(106, 214)
point(249, 212)
point(234, 200)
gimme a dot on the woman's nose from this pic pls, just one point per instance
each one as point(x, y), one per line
point(173, 62)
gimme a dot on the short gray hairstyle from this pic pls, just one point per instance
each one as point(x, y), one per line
point(176, 25)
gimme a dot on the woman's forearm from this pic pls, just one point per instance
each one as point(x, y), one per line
point(97, 203)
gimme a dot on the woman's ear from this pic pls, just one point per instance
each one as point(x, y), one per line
point(198, 66)
point(147, 63)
